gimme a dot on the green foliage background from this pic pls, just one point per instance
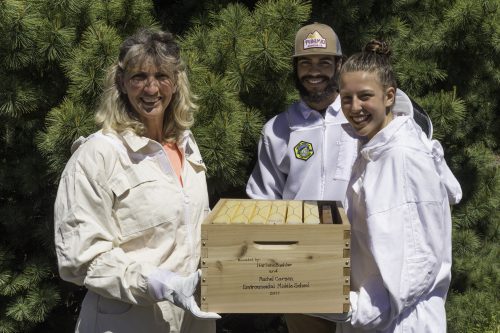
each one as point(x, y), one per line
point(53, 55)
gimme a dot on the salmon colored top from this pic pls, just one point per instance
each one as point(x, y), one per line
point(175, 158)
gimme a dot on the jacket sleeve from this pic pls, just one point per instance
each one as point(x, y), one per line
point(267, 180)
point(86, 236)
point(453, 188)
point(407, 233)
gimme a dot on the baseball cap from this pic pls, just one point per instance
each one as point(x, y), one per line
point(317, 38)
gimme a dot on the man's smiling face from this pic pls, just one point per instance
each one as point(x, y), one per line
point(317, 78)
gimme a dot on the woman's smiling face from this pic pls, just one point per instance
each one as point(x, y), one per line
point(149, 89)
point(365, 102)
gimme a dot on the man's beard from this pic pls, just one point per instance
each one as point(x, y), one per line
point(318, 96)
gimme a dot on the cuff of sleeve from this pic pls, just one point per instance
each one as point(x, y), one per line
point(143, 278)
point(114, 274)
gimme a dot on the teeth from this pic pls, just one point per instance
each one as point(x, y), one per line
point(150, 100)
point(359, 118)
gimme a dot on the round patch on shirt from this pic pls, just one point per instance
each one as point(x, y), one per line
point(303, 150)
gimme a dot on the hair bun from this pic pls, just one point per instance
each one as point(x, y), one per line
point(378, 46)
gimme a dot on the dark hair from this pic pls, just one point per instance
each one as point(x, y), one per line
point(374, 58)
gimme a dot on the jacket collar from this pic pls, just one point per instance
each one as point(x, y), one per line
point(378, 144)
point(402, 105)
point(136, 142)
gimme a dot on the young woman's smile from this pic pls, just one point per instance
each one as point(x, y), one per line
point(365, 102)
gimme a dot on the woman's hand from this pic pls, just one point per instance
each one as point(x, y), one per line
point(166, 285)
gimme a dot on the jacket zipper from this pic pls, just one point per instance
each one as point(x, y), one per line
point(323, 150)
point(166, 165)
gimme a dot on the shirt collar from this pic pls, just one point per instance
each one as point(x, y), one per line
point(332, 110)
point(137, 142)
point(134, 141)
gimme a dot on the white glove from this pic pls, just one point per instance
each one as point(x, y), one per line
point(166, 285)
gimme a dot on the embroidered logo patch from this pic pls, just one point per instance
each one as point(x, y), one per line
point(303, 150)
point(314, 40)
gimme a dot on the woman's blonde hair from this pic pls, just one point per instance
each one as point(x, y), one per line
point(114, 111)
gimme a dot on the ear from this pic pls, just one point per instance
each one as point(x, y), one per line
point(120, 84)
point(390, 96)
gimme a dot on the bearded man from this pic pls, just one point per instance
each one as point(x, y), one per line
point(306, 152)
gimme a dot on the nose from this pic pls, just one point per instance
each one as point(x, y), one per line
point(356, 104)
point(151, 85)
point(314, 69)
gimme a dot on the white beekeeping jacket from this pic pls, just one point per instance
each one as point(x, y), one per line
point(398, 206)
point(120, 214)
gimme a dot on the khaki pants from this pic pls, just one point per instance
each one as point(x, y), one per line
point(299, 323)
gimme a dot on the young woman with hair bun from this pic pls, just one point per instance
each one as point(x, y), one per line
point(398, 203)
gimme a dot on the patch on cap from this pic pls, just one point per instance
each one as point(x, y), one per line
point(314, 40)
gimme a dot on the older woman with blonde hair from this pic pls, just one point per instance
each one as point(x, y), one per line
point(132, 198)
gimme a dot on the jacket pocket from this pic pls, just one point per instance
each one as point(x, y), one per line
point(143, 199)
point(130, 178)
point(421, 272)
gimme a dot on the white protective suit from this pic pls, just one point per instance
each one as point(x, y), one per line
point(319, 171)
point(121, 213)
point(398, 206)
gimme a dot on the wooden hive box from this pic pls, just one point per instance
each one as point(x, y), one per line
point(275, 257)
